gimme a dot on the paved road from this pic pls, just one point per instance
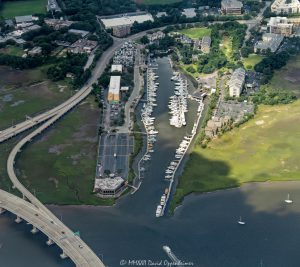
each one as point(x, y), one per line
point(253, 23)
point(82, 256)
point(71, 245)
point(75, 99)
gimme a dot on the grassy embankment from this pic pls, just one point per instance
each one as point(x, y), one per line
point(10, 9)
point(12, 50)
point(60, 165)
point(196, 33)
point(26, 92)
point(265, 148)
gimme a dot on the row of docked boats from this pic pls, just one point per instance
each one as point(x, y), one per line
point(178, 101)
point(180, 151)
point(147, 110)
point(163, 201)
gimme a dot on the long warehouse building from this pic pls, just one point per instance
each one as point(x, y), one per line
point(114, 89)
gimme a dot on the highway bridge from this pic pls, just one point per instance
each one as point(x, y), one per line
point(72, 246)
point(33, 211)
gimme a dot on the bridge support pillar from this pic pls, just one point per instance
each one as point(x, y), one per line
point(34, 230)
point(49, 242)
point(63, 255)
point(18, 219)
point(2, 210)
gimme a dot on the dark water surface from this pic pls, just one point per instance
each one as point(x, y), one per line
point(204, 231)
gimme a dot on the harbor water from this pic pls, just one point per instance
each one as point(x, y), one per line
point(202, 233)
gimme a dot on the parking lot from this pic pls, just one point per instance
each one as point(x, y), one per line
point(114, 152)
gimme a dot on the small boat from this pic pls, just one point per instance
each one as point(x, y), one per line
point(158, 211)
point(288, 200)
point(240, 221)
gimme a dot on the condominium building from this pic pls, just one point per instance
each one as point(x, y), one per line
point(280, 25)
point(231, 7)
point(236, 82)
point(285, 6)
point(270, 41)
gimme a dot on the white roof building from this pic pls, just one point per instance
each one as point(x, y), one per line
point(116, 68)
point(125, 20)
point(280, 25)
point(114, 89)
point(270, 41)
point(79, 32)
point(236, 82)
point(23, 19)
point(189, 12)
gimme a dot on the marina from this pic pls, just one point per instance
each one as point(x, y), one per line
point(147, 117)
point(178, 101)
point(207, 222)
point(175, 163)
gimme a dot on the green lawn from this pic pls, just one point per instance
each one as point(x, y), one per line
point(265, 148)
point(66, 158)
point(157, 2)
point(11, 9)
point(196, 33)
point(288, 77)
point(251, 61)
point(12, 50)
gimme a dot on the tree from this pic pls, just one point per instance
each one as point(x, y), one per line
point(145, 39)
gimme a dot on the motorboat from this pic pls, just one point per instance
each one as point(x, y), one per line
point(158, 211)
point(288, 200)
point(240, 221)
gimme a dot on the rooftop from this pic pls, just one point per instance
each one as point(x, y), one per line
point(269, 40)
point(274, 21)
point(232, 4)
point(116, 67)
point(125, 19)
point(20, 19)
point(189, 12)
point(237, 79)
point(108, 183)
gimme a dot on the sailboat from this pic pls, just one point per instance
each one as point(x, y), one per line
point(241, 222)
point(288, 200)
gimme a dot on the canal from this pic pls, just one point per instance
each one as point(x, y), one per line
point(203, 231)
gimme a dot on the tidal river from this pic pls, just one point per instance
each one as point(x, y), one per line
point(202, 233)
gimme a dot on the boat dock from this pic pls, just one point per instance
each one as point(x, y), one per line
point(175, 163)
point(148, 119)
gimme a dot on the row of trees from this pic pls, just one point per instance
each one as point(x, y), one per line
point(72, 63)
point(21, 63)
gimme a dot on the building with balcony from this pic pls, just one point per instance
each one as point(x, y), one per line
point(280, 25)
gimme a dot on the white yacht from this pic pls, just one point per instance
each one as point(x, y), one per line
point(288, 200)
point(240, 221)
point(158, 211)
